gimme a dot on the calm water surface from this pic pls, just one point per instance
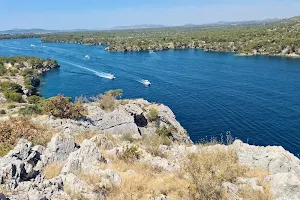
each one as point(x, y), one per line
point(256, 98)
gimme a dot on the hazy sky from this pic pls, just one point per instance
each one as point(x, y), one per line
point(101, 14)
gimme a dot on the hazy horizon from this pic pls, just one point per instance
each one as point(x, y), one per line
point(95, 15)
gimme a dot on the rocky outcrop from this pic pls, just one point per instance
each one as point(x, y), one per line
point(86, 168)
point(284, 168)
point(130, 118)
point(21, 170)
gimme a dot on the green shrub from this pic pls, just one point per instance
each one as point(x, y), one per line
point(2, 70)
point(35, 99)
point(131, 154)
point(10, 86)
point(13, 96)
point(164, 131)
point(61, 107)
point(27, 72)
point(153, 115)
point(30, 110)
point(2, 112)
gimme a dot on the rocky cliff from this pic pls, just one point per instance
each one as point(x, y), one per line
point(127, 154)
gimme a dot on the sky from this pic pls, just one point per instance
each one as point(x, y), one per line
point(103, 14)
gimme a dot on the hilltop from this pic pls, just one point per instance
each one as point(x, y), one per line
point(274, 38)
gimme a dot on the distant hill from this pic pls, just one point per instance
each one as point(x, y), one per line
point(142, 26)
point(38, 31)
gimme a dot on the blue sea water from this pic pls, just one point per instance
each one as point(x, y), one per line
point(257, 99)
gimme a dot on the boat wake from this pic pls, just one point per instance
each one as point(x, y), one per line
point(97, 73)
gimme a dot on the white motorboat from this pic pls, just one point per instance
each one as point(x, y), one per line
point(32, 45)
point(146, 82)
point(111, 76)
point(87, 57)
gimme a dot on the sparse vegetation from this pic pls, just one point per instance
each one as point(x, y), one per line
point(209, 169)
point(152, 115)
point(62, 107)
point(107, 101)
point(131, 154)
point(30, 110)
point(15, 128)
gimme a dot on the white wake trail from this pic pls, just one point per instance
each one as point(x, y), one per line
point(97, 73)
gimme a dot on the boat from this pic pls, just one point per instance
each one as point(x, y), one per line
point(111, 76)
point(146, 82)
point(87, 57)
point(151, 51)
point(42, 46)
point(32, 45)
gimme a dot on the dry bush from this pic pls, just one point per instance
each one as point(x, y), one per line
point(208, 170)
point(108, 100)
point(52, 170)
point(146, 182)
point(15, 128)
point(151, 144)
point(248, 193)
point(62, 107)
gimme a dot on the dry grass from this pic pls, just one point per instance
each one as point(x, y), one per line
point(82, 136)
point(21, 127)
point(151, 144)
point(146, 183)
point(208, 170)
point(52, 170)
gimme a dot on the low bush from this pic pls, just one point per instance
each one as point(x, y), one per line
point(34, 99)
point(30, 110)
point(208, 170)
point(131, 154)
point(13, 96)
point(62, 107)
point(164, 131)
point(151, 144)
point(10, 86)
point(15, 128)
point(107, 101)
point(3, 70)
point(152, 115)
point(2, 112)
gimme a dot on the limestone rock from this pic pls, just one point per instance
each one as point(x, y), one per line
point(79, 189)
point(58, 149)
point(88, 153)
